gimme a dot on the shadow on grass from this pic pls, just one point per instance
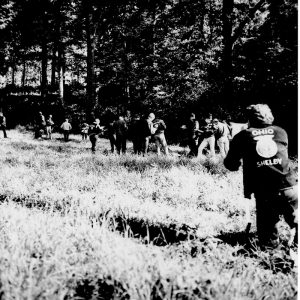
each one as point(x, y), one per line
point(107, 289)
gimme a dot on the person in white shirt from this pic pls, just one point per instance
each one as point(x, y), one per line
point(66, 127)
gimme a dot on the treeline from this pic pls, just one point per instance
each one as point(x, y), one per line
point(169, 56)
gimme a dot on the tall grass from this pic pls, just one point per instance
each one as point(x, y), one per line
point(78, 225)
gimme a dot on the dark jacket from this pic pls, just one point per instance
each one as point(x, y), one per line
point(264, 151)
point(120, 128)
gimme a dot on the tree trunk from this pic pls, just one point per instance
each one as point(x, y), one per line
point(24, 74)
point(53, 65)
point(90, 85)
point(61, 76)
point(227, 49)
point(44, 54)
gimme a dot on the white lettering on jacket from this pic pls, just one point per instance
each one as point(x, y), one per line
point(263, 131)
point(269, 162)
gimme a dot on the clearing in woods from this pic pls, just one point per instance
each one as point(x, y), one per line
point(74, 225)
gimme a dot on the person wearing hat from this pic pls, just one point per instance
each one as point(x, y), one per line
point(263, 149)
point(221, 135)
point(94, 131)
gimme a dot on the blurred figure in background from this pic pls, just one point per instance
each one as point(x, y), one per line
point(135, 134)
point(221, 135)
point(94, 131)
point(147, 130)
point(40, 124)
point(208, 137)
point(3, 124)
point(66, 128)
point(159, 136)
point(121, 129)
point(84, 130)
point(49, 127)
point(193, 135)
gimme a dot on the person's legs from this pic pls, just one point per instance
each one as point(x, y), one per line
point(93, 140)
point(221, 145)
point(211, 142)
point(4, 131)
point(289, 198)
point(266, 219)
point(123, 146)
point(202, 145)
point(112, 141)
point(146, 144)
point(157, 143)
point(118, 144)
point(164, 144)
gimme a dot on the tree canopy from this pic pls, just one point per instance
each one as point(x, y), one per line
point(170, 56)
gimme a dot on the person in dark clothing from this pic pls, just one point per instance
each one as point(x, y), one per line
point(120, 128)
point(111, 135)
point(135, 134)
point(267, 174)
point(193, 135)
point(40, 124)
point(208, 136)
point(94, 131)
point(3, 124)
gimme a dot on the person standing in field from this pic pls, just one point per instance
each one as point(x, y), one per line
point(49, 127)
point(134, 133)
point(159, 136)
point(84, 130)
point(193, 135)
point(66, 128)
point(3, 124)
point(94, 131)
point(221, 135)
point(121, 129)
point(263, 149)
point(40, 124)
point(208, 137)
point(147, 130)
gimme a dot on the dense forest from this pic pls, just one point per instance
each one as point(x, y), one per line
point(77, 57)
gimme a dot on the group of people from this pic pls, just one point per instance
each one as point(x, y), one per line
point(202, 135)
point(138, 130)
point(262, 147)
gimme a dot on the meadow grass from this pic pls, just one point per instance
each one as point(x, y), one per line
point(77, 225)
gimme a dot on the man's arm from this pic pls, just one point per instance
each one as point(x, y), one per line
point(233, 159)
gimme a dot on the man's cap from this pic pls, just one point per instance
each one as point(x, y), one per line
point(215, 121)
point(260, 113)
point(151, 115)
point(192, 115)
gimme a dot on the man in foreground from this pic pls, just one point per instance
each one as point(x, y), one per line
point(263, 148)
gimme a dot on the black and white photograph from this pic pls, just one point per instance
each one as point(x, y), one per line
point(149, 149)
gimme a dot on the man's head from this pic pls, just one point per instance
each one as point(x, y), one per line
point(151, 117)
point(259, 114)
point(1, 114)
point(66, 120)
point(97, 121)
point(192, 116)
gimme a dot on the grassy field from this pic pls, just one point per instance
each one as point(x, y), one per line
point(77, 225)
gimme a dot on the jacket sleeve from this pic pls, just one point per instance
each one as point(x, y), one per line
point(233, 160)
